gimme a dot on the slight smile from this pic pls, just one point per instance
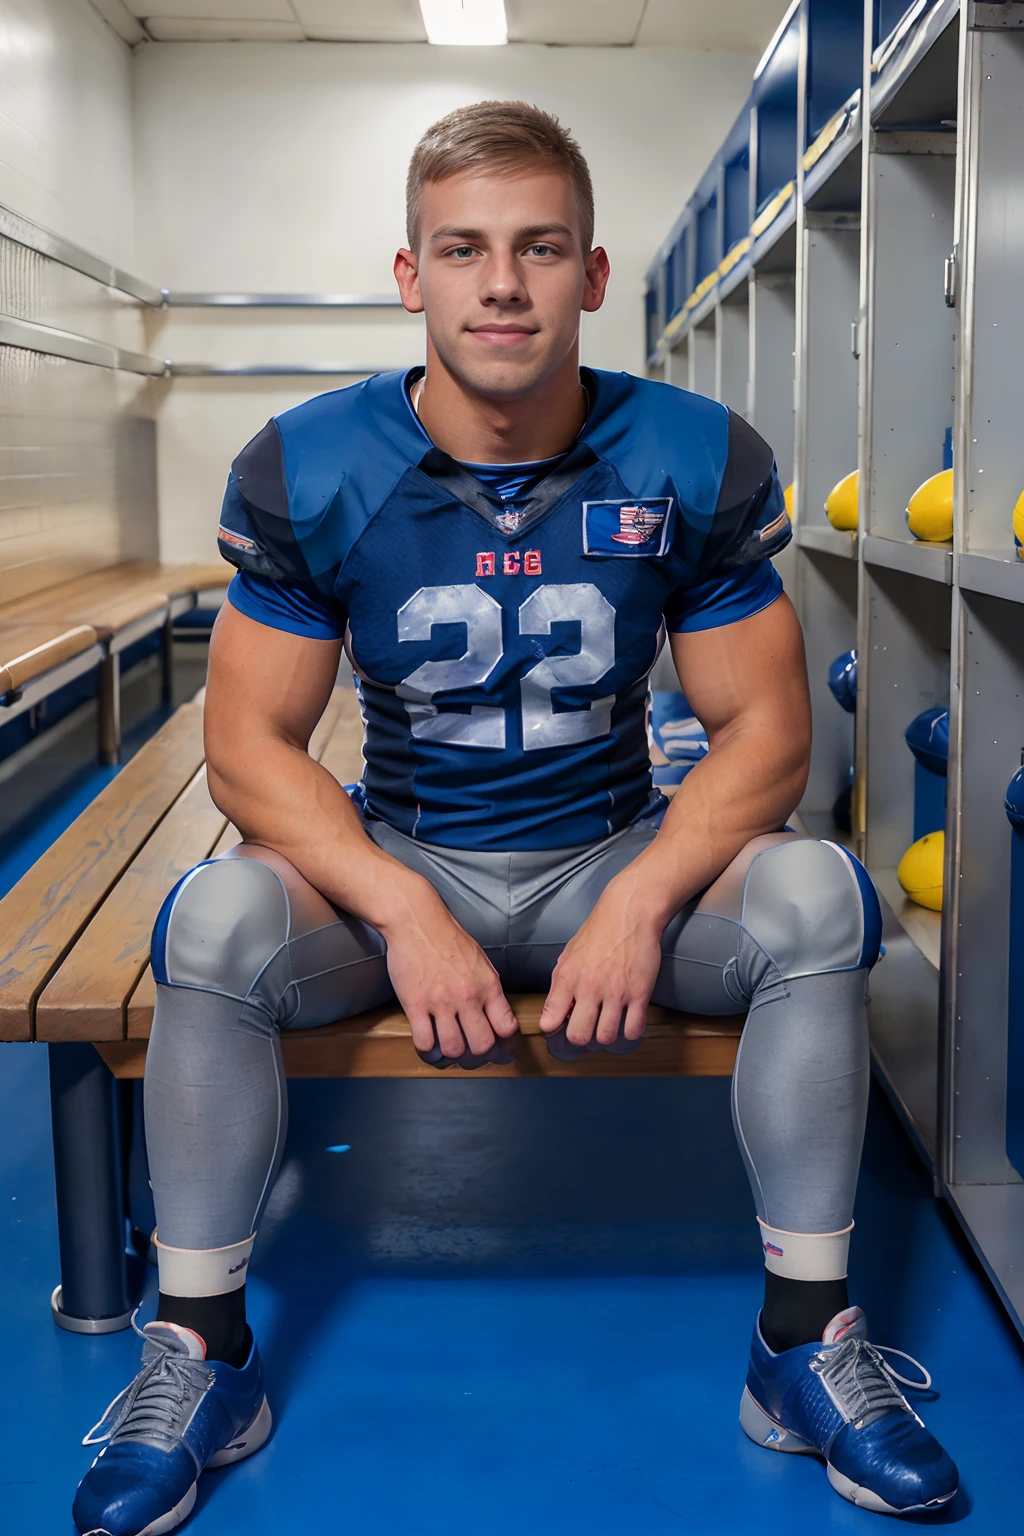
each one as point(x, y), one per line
point(502, 335)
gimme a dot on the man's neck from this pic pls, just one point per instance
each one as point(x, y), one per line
point(479, 429)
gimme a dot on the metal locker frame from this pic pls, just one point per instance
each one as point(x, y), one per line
point(927, 301)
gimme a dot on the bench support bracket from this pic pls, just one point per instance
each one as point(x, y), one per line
point(92, 1296)
point(109, 702)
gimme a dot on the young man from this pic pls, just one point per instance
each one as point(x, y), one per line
point(501, 542)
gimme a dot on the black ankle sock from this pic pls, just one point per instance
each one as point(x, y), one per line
point(799, 1311)
point(218, 1320)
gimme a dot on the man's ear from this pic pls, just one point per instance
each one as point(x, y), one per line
point(407, 276)
point(597, 270)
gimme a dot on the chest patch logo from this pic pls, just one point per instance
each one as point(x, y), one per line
point(508, 522)
point(635, 527)
point(512, 563)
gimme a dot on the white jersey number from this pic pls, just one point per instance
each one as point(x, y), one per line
point(484, 725)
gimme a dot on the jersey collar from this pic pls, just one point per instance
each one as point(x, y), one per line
point(387, 395)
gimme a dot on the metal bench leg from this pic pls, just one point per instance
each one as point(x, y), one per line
point(92, 1296)
point(167, 660)
point(109, 701)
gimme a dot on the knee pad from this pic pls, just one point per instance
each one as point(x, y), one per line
point(220, 926)
point(811, 908)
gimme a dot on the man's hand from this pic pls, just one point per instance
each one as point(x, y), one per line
point(608, 970)
point(444, 981)
point(747, 682)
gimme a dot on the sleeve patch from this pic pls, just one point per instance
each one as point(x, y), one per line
point(226, 536)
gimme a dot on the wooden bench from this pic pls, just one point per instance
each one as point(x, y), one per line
point(74, 972)
point(49, 638)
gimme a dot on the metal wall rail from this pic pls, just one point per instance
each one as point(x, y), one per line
point(35, 238)
point(174, 300)
point(263, 370)
point(33, 337)
point(24, 232)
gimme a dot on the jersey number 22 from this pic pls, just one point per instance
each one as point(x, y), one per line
point(484, 724)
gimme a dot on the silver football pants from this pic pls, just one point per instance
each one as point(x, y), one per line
point(245, 948)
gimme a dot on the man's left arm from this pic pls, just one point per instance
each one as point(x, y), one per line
point(747, 683)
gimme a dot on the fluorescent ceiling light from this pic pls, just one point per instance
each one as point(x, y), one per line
point(465, 23)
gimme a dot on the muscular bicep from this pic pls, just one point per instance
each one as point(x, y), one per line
point(262, 682)
point(749, 672)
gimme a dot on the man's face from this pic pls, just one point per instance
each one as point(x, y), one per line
point(502, 277)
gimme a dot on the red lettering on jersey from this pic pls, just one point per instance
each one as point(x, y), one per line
point(531, 563)
point(510, 565)
point(485, 563)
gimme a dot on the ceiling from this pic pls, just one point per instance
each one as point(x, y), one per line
point(734, 25)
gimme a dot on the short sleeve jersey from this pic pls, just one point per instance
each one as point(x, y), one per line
point(503, 646)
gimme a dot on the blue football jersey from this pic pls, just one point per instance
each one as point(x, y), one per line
point(503, 645)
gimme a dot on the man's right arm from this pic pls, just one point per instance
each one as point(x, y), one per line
point(266, 690)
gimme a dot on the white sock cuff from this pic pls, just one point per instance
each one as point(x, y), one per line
point(202, 1271)
point(806, 1255)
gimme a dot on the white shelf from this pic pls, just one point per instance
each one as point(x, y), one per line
point(932, 561)
point(833, 181)
point(921, 925)
point(993, 575)
point(917, 81)
point(827, 541)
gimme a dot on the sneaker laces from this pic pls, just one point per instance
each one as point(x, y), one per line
point(150, 1407)
point(862, 1383)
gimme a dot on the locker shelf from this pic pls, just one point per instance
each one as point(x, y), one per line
point(832, 179)
point(921, 925)
point(997, 575)
point(932, 561)
point(775, 250)
point(915, 70)
point(827, 541)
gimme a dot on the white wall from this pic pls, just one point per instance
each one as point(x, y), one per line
point(282, 167)
point(77, 443)
point(66, 124)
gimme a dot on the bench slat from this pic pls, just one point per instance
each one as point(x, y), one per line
point(85, 999)
point(28, 650)
point(51, 905)
point(88, 997)
point(378, 1044)
point(112, 598)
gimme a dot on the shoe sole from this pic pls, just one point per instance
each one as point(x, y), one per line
point(249, 1442)
point(763, 1431)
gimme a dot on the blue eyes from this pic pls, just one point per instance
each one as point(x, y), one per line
point(464, 252)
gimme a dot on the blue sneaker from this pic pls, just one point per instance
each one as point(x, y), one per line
point(179, 1416)
point(839, 1399)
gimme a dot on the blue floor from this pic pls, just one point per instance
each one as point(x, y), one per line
point(510, 1308)
point(513, 1307)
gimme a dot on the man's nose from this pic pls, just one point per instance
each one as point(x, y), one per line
point(502, 280)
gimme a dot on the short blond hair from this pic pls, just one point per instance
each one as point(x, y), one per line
point(505, 136)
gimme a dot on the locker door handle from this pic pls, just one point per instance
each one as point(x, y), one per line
point(949, 280)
